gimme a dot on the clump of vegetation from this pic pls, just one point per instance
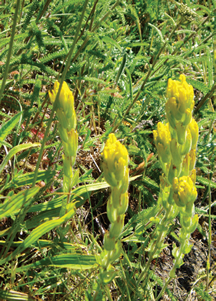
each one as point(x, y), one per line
point(107, 140)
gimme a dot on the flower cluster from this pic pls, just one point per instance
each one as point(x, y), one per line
point(176, 143)
point(67, 128)
point(115, 167)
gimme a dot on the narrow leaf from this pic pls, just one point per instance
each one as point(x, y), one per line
point(8, 126)
point(15, 150)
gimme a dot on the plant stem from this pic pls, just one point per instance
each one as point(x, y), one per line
point(146, 269)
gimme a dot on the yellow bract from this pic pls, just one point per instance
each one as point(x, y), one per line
point(182, 92)
point(184, 191)
point(64, 96)
point(65, 105)
point(180, 101)
point(115, 160)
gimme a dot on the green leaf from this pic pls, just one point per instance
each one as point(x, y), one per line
point(121, 69)
point(15, 150)
point(79, 194)
point(8, 126)
point(129, 83)
point(13, 295)
point(69, 261)
point(21, 179)
point(198, 85)
point(109, 40)
point(40, 231)
point(158, 31)
point(206, 182)
point(12, 204)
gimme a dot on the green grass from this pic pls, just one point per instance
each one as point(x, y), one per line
point(116, 57)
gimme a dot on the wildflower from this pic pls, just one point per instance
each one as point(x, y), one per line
point(184, 191)
point(115, 161)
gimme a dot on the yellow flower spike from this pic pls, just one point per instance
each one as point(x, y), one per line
point(162, 140)
point(53, 93)
point(115, 160)
point(64, 95)
point(194, 129)
point(185, 191)
point(65, 106)
point(180, 97)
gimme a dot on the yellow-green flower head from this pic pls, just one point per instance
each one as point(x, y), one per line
point(115, 161)
point(180, 97)
point(65, 95)
point(184, 191)
point(194, 129)
point(162, 140)
point(65, 106)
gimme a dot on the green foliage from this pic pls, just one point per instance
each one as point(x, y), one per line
point(116, 57)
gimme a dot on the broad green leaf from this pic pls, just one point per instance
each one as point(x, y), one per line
point(43, 243)
point(69, 261)
point(15, 150)
point(37, 220)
